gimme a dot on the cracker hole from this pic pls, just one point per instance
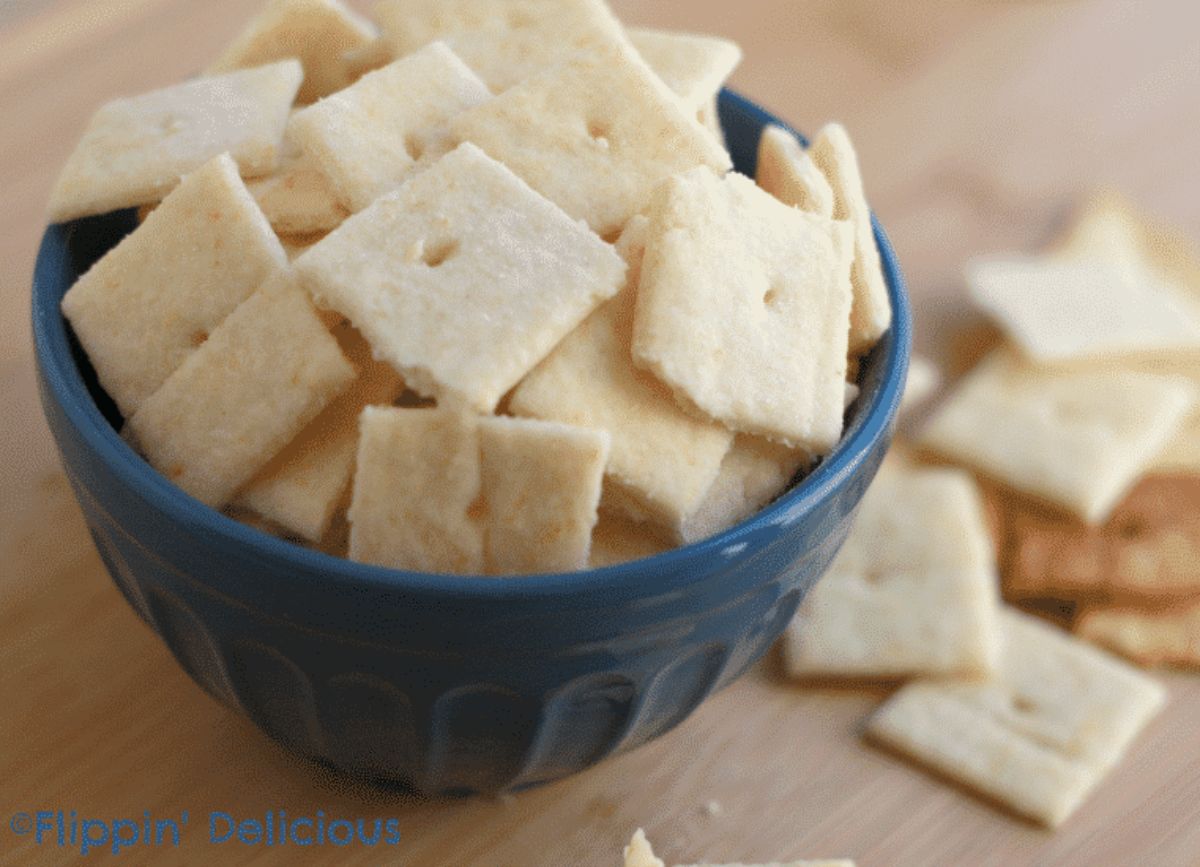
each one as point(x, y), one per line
point(874, 577)
point(1132, 529)
point(198, 337)
point(600, 131)
point(414, 147)
point(1021, 704)
point(518, 19)
point(773, 297)
point(435, 255)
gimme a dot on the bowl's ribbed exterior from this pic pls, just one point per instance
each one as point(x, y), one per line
point(446, 692)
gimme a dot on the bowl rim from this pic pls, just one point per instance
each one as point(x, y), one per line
point(64, 380)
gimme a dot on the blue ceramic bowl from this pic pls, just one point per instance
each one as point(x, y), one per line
point(447, 684)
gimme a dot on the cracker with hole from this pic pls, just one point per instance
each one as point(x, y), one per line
point(298, 199)
point(1148, 552)
point(368, 138)
point(663, 459)
point(744, 309)
point(135, 150)
point(1076, 439)
point(595, 135)
point(417, 500)
point(317, 32)
point(150, 301)
point(1064, 310)
point(695, 67)
point(913, 591)
point(267, 371)
point(871, 316)
point(1040, 736)
point(787, 171)
point(541, 483)
point(504, 41)
point(464, 255)
point(303, 486)
point(1166, 637)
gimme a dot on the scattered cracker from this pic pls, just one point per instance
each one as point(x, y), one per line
point(693, 66)
point(617, 539)
point(752, 475)
point(317, 32)
point(595, 135)
point(663, 459)
point(541, 481)
point(1041, 735)
point(136, 149)
point(1169, 637)
point(639, 854)
point(302, 487)
point(1148, 551)
point(298, 199)
point(872, 312)
point(417, 492)
point(504, 41)
point(151, 301)
point(1076, 439)
point(423, 275)
point(371, 136)
point(913, 590)
point(788, 172)
point(268, 370)
point(744, 309)
point(1064, 310)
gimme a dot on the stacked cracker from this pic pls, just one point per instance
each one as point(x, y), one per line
point(438, 297)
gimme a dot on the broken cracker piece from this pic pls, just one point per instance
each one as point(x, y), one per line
point(368, 138)
point(135, 150)
point(695, 67)
point(151, 301)
point(913, 590)
point(744, 308)
point(302, 487)
point(1075, 439)
point(417, 500)
point(268, 370)
point(541, 483)
point(297, 198)
point(1039, 736)
point(423, 276)
point(319, 33)
point(595, 135)
point(788, 172)
point(871, 315)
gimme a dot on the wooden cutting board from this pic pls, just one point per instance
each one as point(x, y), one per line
point(979, 123)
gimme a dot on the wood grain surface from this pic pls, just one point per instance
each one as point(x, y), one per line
point(980, 124)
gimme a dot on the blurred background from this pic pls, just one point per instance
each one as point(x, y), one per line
point(981, 125)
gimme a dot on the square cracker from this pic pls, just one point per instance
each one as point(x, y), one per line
point(1060, 310)
point(317, 32)
point(872, 312)
point(1165, 637)
point(744, 309)
point(1078, 440)
point(297, 198)
point(153, 299)
point(787, 171)
point(371, 136)
point(464, 279)
point(596, 135)
point(1147, 552)
point(912, 592)
point(136, 149)
point(417, 500)
point(541, 483)
point(663, 459)
point(754, 473)
point(504, 41)
point(268, 370)
point(1038, 737)
point(693, 66)
point(302, 487)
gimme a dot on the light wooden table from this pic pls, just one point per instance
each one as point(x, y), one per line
point(979, 124)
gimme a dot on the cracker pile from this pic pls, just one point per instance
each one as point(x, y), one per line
point(1075, 495)
point(476, 293)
